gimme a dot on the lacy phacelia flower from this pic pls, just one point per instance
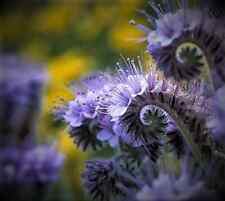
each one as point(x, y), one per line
point(185, 42)
point(25, 172)
point(144, 117)
point(81, 114)
point(39, 165)
point(21, 83)
point(147, 117)
point(108, 131)
point(26, 169)
point(136, 107)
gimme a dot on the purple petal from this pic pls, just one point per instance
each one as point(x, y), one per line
point(114, 141)
point(104, 135)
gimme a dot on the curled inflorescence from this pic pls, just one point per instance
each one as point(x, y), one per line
point(164, 113)
point(186, 40)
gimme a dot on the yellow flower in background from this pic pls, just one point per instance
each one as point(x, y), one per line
point(124, 37)
point(66, 66)
point(62, 70)
point(65, 144)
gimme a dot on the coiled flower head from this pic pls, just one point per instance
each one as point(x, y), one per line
point(144, 117)
point(186, 42)
point(136, 108)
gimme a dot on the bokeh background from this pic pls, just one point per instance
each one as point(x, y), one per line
point(71, 38)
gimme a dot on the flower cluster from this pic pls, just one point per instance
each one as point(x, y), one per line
point(121, 107)
point(21, 86)
point(186, 41)
point(21, 165)
point(25, 167)
point(163, 118)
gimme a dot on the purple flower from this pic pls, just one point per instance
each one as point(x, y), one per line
point(29, 166)
point(96, 81)
point(119, 101)
point(113, 133)
point(89, 105)
point(86, 104)
point(124, 136)
point(73, 115)
point(82, 108)
point(130, 81)
point(107, 133)
point(27, 173)
point(21, 84)
point(10, 162)
point(42, 164)
point(184, 42)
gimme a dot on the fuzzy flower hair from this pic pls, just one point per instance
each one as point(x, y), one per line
point(136, 108)
point(103, 180)
point(155, 120)
point(99, 180)
point(185, 41)
point(81, 114)
point(146, 116)
point(143, 115)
